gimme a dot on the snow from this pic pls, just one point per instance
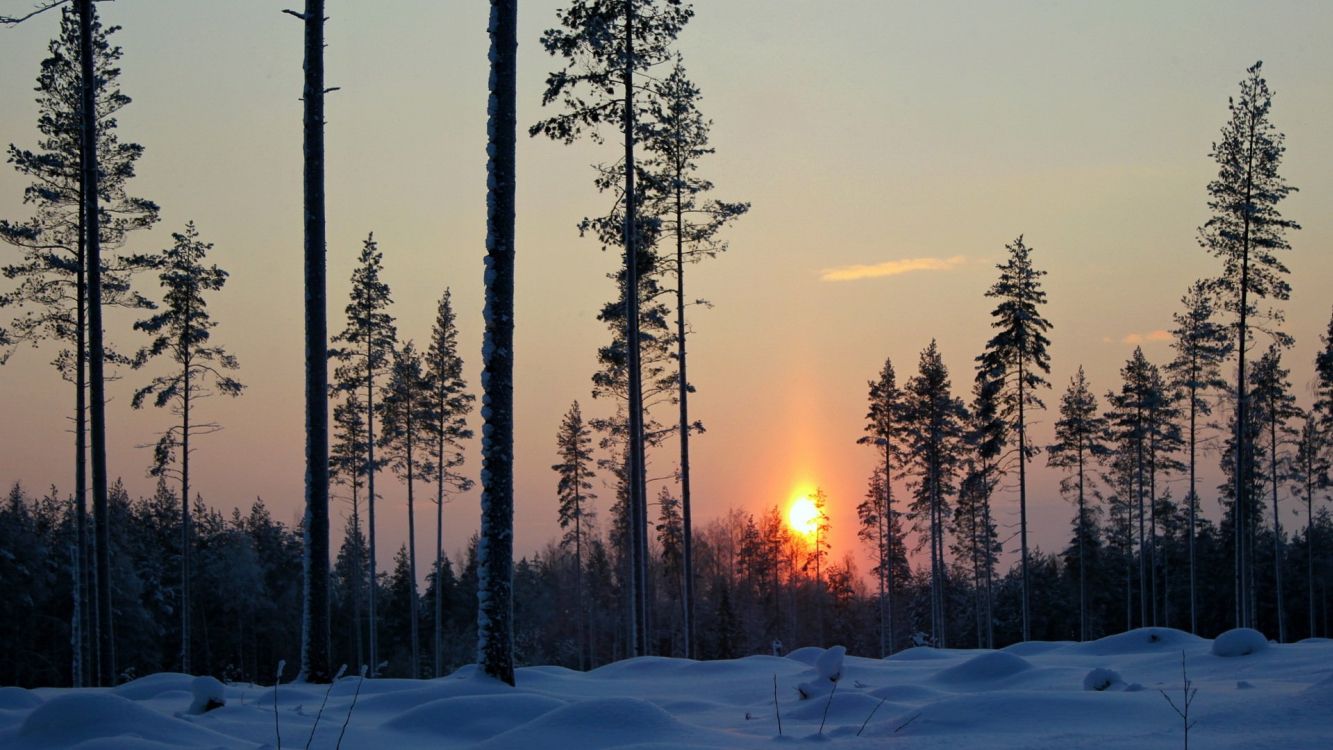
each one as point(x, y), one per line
point(1040, 696)
point(209, 694)
point(1239, 642)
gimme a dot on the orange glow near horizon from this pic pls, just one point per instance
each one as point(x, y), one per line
point(802, 515)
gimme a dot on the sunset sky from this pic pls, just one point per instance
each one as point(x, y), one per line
point(889, 151)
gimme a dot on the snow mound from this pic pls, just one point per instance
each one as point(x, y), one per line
point(995, 665)
point(473, 718)
point(1034, 648)
point(1101, 679)
point(14, 699)
point(595, 724)
point(1239, 642)
point(208, 695)
point(918, 653)
point(72, 719)
point(829, 663)
point(846, 707)
point(154, 685)
point(806, 655)
point(1138, 641)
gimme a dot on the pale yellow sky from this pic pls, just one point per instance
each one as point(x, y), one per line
point(877, 135)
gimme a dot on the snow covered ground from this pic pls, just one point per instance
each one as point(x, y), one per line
point(1102, 694)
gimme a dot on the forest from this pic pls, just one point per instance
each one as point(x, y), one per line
point(99, 587)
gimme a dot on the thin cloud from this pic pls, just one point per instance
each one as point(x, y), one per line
point(890, 268)
point(1135, 339)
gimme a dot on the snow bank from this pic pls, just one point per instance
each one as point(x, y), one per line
point(208, 695)
point(1138, 641)
point(68, 720)
point(15, 699)
point(1239, 642)
point(474, 718)
point(599, 723)
point(918, 653)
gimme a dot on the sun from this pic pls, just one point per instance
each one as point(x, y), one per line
point(803, 516)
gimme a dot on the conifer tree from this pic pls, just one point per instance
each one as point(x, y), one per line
point(1274, 407)
point(1017, 361)
point(1164, 442)
point(1201, 345)
point(1131, 428)
point(677, 140)
point(364, 352)
point(347, 464)
point(495, 548)
point(1079, 435)
point(446, 404)
point(406, 441)
point(1310, 471)
point(1323, 402)
point(604, 44)
point(181, 329)
point(982, 472)
point(884, 430)
point(1247, 233)
point(574, 490)
point(935, 427)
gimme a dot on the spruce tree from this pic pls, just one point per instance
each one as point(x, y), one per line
point(364, 352)
point(935, 428)
point(1247, 233)
point(1311, 465)
point(1079, 435)
point(1323, 405)
point(181, 329)
point(406, 441)
point(495, 549)
point(884, 430)
point(1201, 345)
point(446, 404)
point(347, 465)
point(1274, 407)
point(1017, 361)
point(574, 490)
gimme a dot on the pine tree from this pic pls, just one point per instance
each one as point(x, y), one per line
point(495, 550)
point(1323, 406)
point(985, 440)
point(1079, 435)
point(365, 351)
point(677, 140)
point(446, 404)
point(599, 57)
point(1164, 443)
point(574, 490)
point(1016, 359)
point(884, 430)
point(935, 429)
point(1274, 407)
point(1247, 232)
point(406, 441)
point(182, 330)
point(1201, 345)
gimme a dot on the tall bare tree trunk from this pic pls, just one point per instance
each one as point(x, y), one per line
point(316, 662)
point(495, 550)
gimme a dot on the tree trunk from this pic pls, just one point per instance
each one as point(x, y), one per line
point(1194, 502)
point(1023, 498)
point(1277, 528)
point(96, 351)
point(81, 589)
point(439, 548)
point(373, 590)
point(316, 662)
point(185, 516)
point(414, 606)
point(687, 526)
point(495, 551)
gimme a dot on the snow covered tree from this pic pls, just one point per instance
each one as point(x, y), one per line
point(406, 441)
point(1201, 345)
point(1017, 361)
point(884, 430)
point(364, 351)
point(495, 549)
point(1274, 407)
point(181, 329)
point(446, 404)
point(604, 43)
point(1247, 232)
point(1079, 434)
point(934, 428)
point(574, 490)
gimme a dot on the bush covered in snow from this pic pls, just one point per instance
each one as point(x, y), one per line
point(208, 695)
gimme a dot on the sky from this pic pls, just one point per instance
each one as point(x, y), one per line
point(889, 152)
